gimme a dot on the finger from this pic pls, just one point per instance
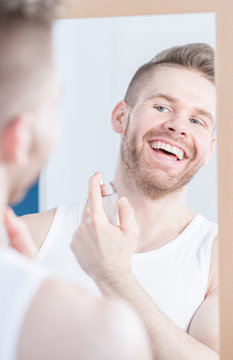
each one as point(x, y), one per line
point(86, 213)
point(10, 222)
point(95, 200)
point(104, 190)
point(126, 216)
point(18, 234)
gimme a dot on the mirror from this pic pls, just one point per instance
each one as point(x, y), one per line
point(96, 59)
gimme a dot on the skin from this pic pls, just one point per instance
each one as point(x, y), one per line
point(58, 310)
point(182, 115)
point(108, 263)
point(160, 114)
point(49, 318)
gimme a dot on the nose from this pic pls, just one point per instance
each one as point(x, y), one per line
point(177, 124)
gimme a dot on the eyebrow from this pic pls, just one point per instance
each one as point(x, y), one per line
point(172, 99)
point(163, 96)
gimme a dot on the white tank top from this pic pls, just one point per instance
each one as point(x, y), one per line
point(175, 275)
point(20, 279)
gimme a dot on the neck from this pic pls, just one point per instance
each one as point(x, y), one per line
point(160, 220)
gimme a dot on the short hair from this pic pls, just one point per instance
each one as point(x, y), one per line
point(26, 53)
point(36, 10)
point(196, 56)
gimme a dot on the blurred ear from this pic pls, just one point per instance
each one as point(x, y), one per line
point(212, 141)
point(120, 117)
point(16, 140)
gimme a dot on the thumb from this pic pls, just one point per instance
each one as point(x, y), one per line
point(127, 217)
point(18, 234)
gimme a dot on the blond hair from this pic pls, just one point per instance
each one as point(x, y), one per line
point(196, 56)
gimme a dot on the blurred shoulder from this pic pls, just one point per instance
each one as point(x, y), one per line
point(89, 327)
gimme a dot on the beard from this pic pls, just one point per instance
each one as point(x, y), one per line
point(153, 181)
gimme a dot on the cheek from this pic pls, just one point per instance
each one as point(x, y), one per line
point(46, 138)
point(50, 129)
point(55, 134)
point(140, 125)
point(203, 145)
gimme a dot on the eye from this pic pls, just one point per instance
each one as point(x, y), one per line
point(196, 121)
point(161, 108)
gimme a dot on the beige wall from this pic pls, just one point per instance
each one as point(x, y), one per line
point(224, 27)
point(101, 8)
point(224, 31)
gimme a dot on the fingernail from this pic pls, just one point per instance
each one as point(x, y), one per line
point(124, 200)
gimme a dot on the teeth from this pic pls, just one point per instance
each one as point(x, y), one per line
point(168, 148)
point(172, 149)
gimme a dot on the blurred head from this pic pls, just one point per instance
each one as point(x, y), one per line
point(28, 90)
point(166, 120)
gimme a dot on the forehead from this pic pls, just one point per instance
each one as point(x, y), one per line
point(186, 86)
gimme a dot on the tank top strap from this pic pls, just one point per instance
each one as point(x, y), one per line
point(63, 216)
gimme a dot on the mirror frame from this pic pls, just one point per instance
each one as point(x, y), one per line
point(223, 10)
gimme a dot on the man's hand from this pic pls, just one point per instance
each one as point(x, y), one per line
point(18, 234)
point(100, 247)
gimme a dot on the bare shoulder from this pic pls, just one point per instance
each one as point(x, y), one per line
point(213, 281)
point(89, 327)
point(39, 225)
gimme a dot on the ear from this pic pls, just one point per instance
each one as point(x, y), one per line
point(212, 141)
point(120, 117)
point(16, 140)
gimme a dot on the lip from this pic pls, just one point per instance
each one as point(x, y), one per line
point(171, 144)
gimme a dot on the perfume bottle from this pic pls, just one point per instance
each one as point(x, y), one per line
point(110, 202)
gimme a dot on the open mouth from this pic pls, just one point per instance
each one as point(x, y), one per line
point(171, 152)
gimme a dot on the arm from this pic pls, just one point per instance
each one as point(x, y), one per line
point(65, 322)
point(205, 324)
point(108, 263)
point(168, 340)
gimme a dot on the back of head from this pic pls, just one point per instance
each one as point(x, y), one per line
point(196, 56)
point(26, 56)
point(37, 10)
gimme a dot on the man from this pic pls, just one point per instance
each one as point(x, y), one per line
point(41, 317)
point(166, 123)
